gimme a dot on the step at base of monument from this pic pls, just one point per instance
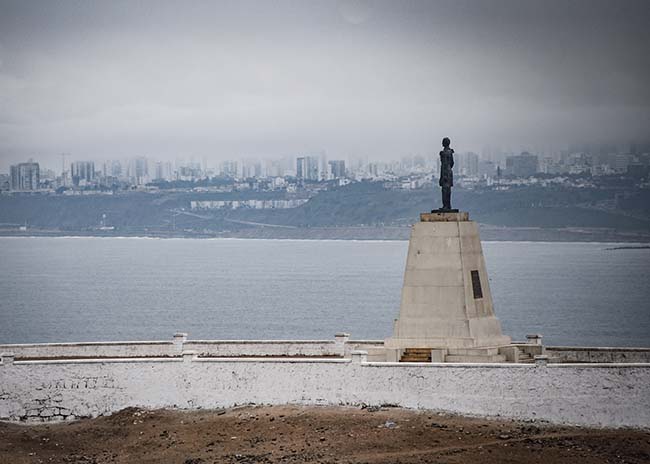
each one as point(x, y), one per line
point(455, 358)
point(475, 355)
point(525, 358)
point(485, 351)
point(416, 355)
point(455, 355)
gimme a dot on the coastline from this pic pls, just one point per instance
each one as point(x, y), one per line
point(489, 233)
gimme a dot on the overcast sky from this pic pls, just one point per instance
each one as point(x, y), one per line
point(232, 79)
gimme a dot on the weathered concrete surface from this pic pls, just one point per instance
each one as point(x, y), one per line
point(231, 348)
point(441, 306)
point(443, 216)
point(92, 349)
point(341, 345)
point(610, 395)
point(586, 354)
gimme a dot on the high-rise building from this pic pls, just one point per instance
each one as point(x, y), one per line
point(301, 168)
point(487, 169)
point(159, 171)
point(229, 168)
point(323, 166)
point(338, 168)
point(5, 182)
point(524, 165)
point(168, 170)
point(313, 168)
point(25, 176)
point(307, 168)
point(141, 170)
point(82, 172)
point(116, 168)
point(163, 170)
point(547, 165)
point(251, 168)
point(468, 164)
point(621, 162)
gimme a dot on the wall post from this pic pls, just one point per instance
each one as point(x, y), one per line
point(359, 356)
point(541, 360)
point(178, 340)
point(7, 358)
point(340, 341)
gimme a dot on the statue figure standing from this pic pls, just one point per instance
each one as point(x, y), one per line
point(446, 173)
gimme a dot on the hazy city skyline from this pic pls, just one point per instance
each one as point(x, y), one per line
point(233, 80)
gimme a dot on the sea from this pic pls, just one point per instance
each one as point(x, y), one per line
point(72, 289)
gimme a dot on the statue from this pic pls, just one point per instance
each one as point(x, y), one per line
point(446, 174)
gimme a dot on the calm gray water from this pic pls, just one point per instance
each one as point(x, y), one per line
point(90, 289)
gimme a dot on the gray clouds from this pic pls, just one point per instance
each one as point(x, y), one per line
point(237, 78)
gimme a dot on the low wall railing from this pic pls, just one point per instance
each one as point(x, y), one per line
point(341, 346)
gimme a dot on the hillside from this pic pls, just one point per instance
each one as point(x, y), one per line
point(368, 206)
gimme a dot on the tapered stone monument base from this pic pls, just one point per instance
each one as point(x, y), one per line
point(446, 300)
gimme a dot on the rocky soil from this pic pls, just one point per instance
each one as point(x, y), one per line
point(294, 434)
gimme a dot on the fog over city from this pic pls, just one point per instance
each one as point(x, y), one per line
point(227, 80)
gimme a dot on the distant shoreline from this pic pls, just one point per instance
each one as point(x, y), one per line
point(488, 233)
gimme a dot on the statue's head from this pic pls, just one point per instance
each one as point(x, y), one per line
point(446, 142)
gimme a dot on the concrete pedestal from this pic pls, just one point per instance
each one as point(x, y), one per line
point(446, 300)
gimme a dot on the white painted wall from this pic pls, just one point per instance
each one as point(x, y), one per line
point(610, 395)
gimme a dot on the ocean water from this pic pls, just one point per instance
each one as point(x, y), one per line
point(93, 289)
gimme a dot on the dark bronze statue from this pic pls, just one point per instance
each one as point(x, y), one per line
point(446, 174)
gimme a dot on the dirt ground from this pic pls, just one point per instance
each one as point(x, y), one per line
point(294, 434)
